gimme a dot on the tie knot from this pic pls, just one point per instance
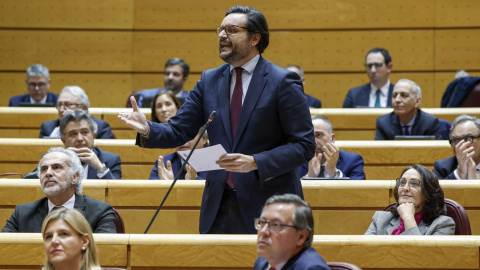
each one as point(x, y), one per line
point(238, 71)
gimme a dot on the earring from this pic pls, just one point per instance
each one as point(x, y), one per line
point(83, 248)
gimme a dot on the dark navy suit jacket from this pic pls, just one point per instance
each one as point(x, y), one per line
point(16, 100)
point(313, 102)
point(388, 126)
point(307, 259)
point(28, 217)
point(274, 126)
point(359, 96)
point(103, 129)
point(176, 166)
point(444, 168)
point(350, 164)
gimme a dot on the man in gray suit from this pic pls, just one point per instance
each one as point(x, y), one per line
point(60, 174)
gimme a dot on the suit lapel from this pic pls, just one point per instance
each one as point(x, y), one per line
point(255, 89)
point(416, 127)
point(422, 228)
point(80, 205)
point(397, 129)
point(223, 90)
point(42, 212)
point(364, 96)
point(389, 98)
point(394, 223)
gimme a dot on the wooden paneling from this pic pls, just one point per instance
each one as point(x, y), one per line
point(307, 14)
point(332, 51)
point(456, 49)
point(90, 14)
point(80, 50)
point(462, 13)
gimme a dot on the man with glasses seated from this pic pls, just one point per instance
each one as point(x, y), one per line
point(465, 141)
point(285, 235)
point(38, 83)
point(377, 93)
point(71, 98)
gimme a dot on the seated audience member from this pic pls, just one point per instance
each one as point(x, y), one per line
point(167, 167)
point(38, 84)
point(377, 93)
point(165, 105)
point(407, 118)
point(71, 98)
point(461, 92)
point(60, 173)
point(420, 208)
point(285, 235)
point(312, 102)
point(69, 242)
point(465, 141)
point(329, 161)
point(176, 75)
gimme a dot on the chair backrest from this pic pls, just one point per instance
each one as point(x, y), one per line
point(119, 222)
point(473, 99)
point(342, 266)
point(457, 213)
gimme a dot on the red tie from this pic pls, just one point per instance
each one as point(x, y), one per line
point(235, 108)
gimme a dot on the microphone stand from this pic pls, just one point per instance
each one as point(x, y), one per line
point(202, 131)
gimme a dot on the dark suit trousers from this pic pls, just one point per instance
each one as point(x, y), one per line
point(229, 219)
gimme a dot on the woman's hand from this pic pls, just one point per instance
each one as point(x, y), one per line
point(407, 213)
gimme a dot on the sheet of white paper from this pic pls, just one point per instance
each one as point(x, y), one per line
point(204, 159)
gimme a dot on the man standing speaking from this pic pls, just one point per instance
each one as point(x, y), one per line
point(263, 122)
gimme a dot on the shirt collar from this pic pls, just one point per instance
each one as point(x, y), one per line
point(68, 204)
point(42, 101)
point(250, 65)
point(278, 266)
point(383, 90)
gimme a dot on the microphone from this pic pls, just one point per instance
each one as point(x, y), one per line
point(202, 131)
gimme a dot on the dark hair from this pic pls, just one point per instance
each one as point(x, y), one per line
point(76, 116)
point(463, 118)
point(302, 218)
point(384, 52)
point(171, 95)
point(435, 204)
point(180, 62)
point(256, 24)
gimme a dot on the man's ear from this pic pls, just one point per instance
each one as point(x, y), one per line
point(63, 140)
point(255, 39)
point(417, 102)
point(302, 237)
point(75, 178)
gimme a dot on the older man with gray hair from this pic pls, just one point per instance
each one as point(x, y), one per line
point(60, 172)
point(72, 98)
point(407, 118)
point(38, 84)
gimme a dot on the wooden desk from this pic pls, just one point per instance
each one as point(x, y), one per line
point(348, 124)
point(383, 159)
point(340, 207)
point(200, 252)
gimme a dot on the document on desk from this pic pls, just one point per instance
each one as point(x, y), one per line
point(204, 159)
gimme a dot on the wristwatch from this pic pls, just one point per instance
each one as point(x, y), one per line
point(103, 169)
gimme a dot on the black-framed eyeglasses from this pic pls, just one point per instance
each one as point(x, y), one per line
point(229, 29)
point(67, 105)
point(467, 138)
point(414, 183)
point(273, 226)
point(34, 85)
point(376, 65)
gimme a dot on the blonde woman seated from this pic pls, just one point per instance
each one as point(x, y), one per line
point(420, 208)
point(69, 242)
